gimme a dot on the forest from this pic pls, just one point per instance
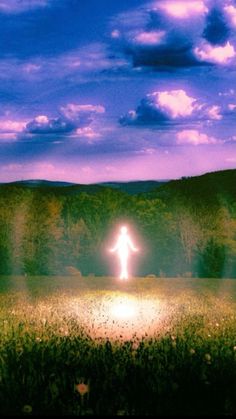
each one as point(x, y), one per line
point(184, 227)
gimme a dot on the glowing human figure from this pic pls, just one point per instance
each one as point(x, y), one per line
point(123, 247)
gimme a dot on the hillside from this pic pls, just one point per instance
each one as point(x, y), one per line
point(67, 188)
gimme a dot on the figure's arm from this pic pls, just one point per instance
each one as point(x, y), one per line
point(113, 249)
point(132, 246)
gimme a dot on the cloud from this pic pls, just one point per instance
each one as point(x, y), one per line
point(183, 9)
point(230, 10)
point(194, 137)
point(150, 38)
point(87, 132)
point(169, 106)
point(218, 55)
point(21, 6)
point(9, 126)
point(175, 34)
point(43, 125)
point(81, 113)
point(74, 118)
point(214, 112)
point(78, 65)
point(217, 30)
point(232, 107)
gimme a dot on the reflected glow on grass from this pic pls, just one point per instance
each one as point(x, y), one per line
point(124, 309)
point(118, 315)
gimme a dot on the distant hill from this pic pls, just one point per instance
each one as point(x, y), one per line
point(209, 184)
point(35, 183)
point(131, 188)
point(135, 187)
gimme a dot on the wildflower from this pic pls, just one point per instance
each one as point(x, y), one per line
point(27, 408)
point(234, 348)
point(192, 351)
point(217, 324)
point(38, 339)
point(82, 388)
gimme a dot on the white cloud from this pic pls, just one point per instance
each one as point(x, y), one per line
point(214, 113)
point(194, 137)
point(231, 12)
point(42, 119)
point(150, 38)
point(183, 9)
point(219, 54)
point(175, 102)
point(9, 126)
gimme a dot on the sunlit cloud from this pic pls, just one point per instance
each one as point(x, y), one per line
point(219, 54)
point(231, 12)
point(183, 9)
point(150, 38)
point(9, 126)
point(194, 137)
point(176, 103)
point(165, 106)
point(214, 112)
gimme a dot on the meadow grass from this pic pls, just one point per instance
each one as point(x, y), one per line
point(152, 346)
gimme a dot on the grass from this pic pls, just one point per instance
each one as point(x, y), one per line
point(149, 346)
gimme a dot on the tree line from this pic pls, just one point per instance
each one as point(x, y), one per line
point(185, 227)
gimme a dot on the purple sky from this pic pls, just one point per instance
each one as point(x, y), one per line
point(116, 90)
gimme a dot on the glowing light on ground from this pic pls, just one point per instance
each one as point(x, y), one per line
point(123, 246)
point(124, 309)
point(116, 315)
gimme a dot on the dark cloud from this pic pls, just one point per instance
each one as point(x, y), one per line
point(183, 28)
point(170, 55)
point(44, 125)
point(73, 116)
point(217, 31)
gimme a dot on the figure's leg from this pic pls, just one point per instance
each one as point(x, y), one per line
point(124, 270)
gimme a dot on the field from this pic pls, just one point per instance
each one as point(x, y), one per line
point(147, 346)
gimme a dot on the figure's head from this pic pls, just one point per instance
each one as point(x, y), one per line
point(123, 230)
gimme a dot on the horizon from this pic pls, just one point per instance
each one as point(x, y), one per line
point(136, 90)
point(115, 181)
